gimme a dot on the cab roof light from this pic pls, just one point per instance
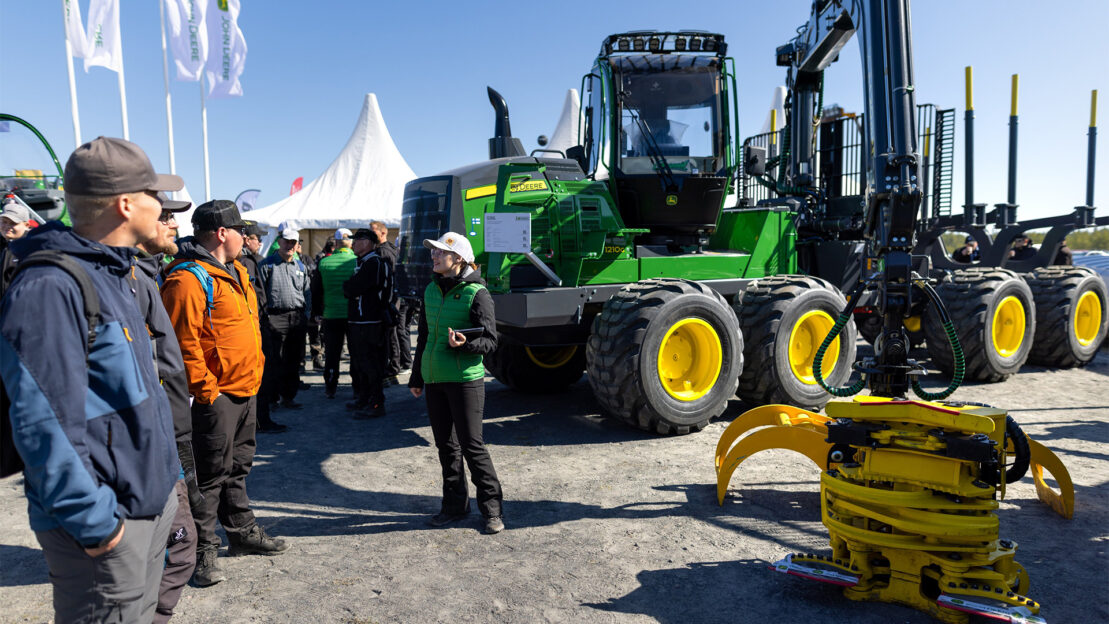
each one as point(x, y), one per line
point(654, 44)
point(624, 44)
point(638, 44)
point(695, 44)
point(679, 44)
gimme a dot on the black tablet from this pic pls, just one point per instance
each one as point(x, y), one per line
point(472, 332)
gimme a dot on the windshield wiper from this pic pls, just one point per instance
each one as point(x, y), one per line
point(658, 161)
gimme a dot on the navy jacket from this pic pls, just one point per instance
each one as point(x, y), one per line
point(96, 439)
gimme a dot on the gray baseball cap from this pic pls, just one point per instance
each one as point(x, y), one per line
point(110, 166)
point(15, 212)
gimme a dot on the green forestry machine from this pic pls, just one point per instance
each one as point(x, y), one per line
point(30, 172)
point(618, 257)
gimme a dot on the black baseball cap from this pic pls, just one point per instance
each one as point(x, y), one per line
point(364, 234)
point(110, 166)
point(211, 216)
point(172, 205)
point(253, 229)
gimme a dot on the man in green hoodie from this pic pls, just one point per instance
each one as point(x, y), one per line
point(327, 296)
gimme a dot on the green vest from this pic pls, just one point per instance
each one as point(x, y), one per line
point(440, 363)
point(334, 270)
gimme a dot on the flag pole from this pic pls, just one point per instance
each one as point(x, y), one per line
point(204, 126)
point(72, 83)
point(123, 100)
point(165, 76)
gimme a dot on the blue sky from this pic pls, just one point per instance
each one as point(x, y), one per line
point(310, 64)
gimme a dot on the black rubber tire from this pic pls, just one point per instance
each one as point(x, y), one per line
point(768, 311)
point(1056, 290)
point(514, 367)
point(869, 325)
point(621, 355)
point(971, 297)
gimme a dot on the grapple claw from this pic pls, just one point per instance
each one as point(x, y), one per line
point(1063, 501)
point(782, 426)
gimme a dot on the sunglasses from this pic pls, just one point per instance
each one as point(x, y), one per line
point(167, 217)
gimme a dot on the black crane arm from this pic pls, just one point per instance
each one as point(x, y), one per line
point(893, 194)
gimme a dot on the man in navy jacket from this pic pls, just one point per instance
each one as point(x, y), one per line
point(92, 424)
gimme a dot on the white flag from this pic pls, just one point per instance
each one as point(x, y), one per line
point(227, 50)
point(188, 36)
point(75, 28)
point(104, 45)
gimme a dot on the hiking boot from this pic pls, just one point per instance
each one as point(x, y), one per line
point(443, 518)
point(270, 426)
point(207, 571)
point(255, 542)
point(494, 525)
point(355, 406)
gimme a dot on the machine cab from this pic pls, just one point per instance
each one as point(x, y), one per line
point(657, 128)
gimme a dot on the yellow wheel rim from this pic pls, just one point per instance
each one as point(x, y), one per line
point(1008, 326)
point(804, 340)
point(1087, 318)
point(551, 357)
point(689, 359)
point(912, 323)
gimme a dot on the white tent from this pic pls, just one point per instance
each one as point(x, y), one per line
point(565, 134)
point(364, 183)
point(185, 219)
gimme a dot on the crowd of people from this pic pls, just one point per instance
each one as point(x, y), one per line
point(137, 368)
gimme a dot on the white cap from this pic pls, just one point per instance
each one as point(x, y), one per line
point(290, 234)
point(452, 241)
point(343, 234)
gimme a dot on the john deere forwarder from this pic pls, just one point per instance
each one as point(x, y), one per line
point(633, 270)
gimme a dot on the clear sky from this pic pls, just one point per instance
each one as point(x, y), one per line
point(310, 65)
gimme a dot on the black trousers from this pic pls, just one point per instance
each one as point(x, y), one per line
point(223, 441)
point(283, 346)
point(368, 348)
point(314, 342)
point(400, 340)
point(455, 411)
point(334, 333)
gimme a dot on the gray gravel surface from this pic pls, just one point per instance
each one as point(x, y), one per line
point(605, 523)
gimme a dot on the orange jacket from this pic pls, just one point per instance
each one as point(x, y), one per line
point(223, 351)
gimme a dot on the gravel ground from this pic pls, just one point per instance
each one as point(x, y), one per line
point(605, 523)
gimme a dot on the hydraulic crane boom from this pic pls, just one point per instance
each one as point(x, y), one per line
point(909, 489)
point(893, 196)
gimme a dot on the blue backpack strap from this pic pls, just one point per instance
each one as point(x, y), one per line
point(201, 275)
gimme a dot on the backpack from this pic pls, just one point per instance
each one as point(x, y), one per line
point(10, 461)
point(205, 282)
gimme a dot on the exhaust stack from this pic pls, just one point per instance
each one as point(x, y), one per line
point(502, 144)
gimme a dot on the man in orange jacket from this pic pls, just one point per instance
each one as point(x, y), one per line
point(215, 314)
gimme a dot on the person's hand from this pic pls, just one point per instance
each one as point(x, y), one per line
point(455, 339)
point(96, 552)
point(416, 392)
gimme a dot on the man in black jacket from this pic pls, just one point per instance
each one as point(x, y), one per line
point(369, 293)
point(397, 342)
point(181, 545)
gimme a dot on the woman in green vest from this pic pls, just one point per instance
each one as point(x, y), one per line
point(448, 371)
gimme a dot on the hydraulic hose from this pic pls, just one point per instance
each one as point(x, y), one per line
point(956, 349)
point(840, 323)
point(948, 327)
